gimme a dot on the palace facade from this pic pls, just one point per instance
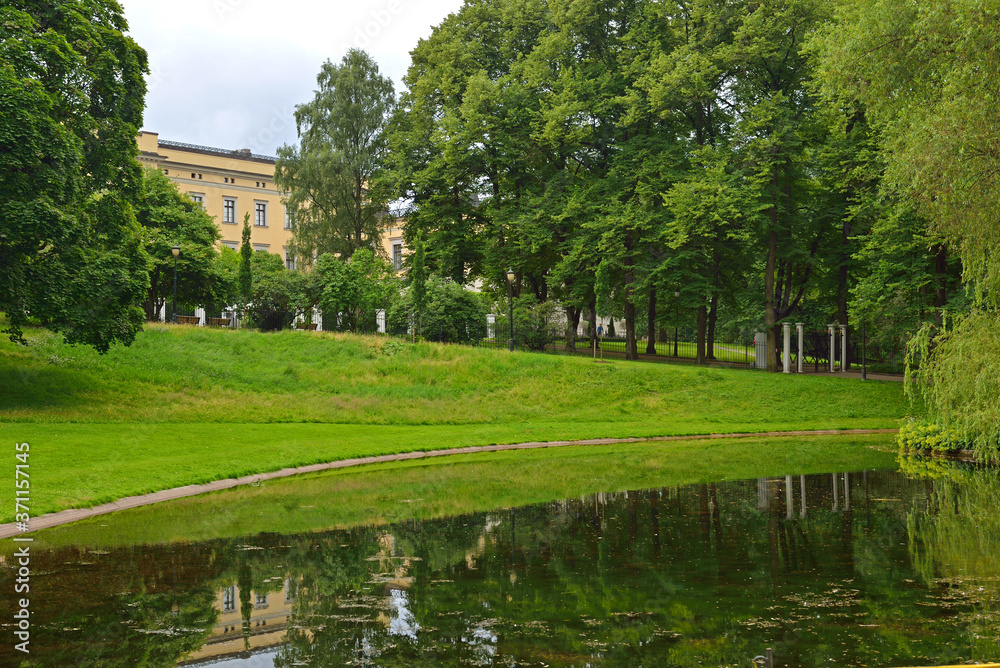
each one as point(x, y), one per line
point(231, 184)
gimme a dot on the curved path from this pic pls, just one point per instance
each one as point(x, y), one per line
point(72, 515)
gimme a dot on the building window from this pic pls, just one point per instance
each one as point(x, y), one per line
point(229, 210)
point(231, 244)
point(229, 599)
point(263, 184)
point(262, 247)
point(289, 260)
point(260, 214)
point(260, 600)
point(198, 198)
point(166, 171)
point(397, 256)
point(288, 220)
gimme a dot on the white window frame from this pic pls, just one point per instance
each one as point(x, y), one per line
point(397, 258)
point(289, 260)
point(229, 599)
point(262, 247)
point(235, 245)
point(259, 208)
point(288, 220)
point(199, 198)
point(226, 200)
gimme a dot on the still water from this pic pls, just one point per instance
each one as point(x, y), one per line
point(867, 568)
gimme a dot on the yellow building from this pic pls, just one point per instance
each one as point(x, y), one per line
point(230, 185)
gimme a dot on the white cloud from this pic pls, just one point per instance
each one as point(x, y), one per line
point(228, 73)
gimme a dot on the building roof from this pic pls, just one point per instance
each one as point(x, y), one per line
point(239, 154)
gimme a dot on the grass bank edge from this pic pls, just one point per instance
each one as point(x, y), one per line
point(84, 465)
point(463, 483)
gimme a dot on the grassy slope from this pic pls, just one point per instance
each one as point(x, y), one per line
point(187, 405)
point(389, 493)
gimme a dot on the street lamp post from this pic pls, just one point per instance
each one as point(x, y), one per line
point(176, 250)
point(677, 307)
point(510, 298)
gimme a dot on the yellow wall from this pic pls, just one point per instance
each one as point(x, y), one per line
point(217, 174)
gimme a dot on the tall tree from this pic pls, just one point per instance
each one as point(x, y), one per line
point(171, 218)
point(921, 71)
point(246, 266)
point(337, 197)
point(71, 102)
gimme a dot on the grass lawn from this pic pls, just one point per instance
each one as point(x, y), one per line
point(389, 493)
point(185, 405)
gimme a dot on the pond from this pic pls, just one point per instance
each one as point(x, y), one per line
point(857, 568)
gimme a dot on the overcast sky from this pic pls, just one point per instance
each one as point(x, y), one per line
point(228, 73)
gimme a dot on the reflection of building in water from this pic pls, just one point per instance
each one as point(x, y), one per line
point(269, 620)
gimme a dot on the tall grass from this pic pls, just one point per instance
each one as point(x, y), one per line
point(186, 374)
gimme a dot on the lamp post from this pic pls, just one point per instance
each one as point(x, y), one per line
point(510, 299)
point(677, 307)
point(176, 250)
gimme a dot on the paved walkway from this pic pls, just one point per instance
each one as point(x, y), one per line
point(73, 515)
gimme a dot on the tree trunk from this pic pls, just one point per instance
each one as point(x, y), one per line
point(572, 322)
point(631, 345)
point(702, 324)
point(713, 316)
point(651, 323)
point(663, 336)
point(770, 311)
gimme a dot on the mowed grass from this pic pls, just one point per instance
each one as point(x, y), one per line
point(185, 405)
point(400, 491)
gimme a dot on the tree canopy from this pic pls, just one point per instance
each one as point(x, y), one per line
point(337, 200)
point(71, 102)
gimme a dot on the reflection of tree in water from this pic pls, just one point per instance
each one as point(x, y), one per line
point(815, 567)
point(955, 546)
point(136, 607)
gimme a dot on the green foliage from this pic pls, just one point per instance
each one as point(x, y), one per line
point(915, 437)
point(450, 314)
point(959, 379)
point(350, 293)
point(246, 268)
point(417, 278)
point(278, 296)
point(337, 199)
point(170, 218)
point(534, 323)
point(71, 101)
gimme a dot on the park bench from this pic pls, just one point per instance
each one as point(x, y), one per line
point(310, 326)
point(218, 322)
point(188, 320)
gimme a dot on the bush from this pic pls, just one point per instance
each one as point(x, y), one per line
point(451, 313)
point(278, 297)
point(923, 436)
point(534, 323)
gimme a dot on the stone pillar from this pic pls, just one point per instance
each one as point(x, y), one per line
point(789, 496)
point(843, 347)
point(786, 356)
point(800, 328)
point(833, 346)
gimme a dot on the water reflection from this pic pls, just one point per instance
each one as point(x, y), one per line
point(865, 568)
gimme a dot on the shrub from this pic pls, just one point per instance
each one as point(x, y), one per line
point(922, 436)
point(451, 313)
